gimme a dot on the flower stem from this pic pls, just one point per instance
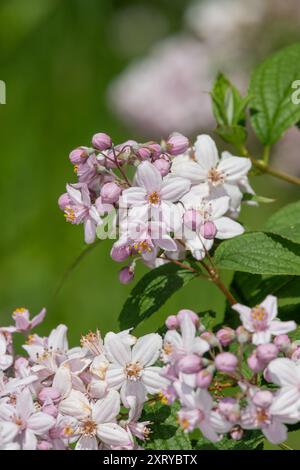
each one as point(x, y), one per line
point(215, 277)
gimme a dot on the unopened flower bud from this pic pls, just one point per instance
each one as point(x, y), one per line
point(50, 409)
point(204, 378)
point(254, 363)
point(126, 275)
point(48, 393)
point(163, 166)
point(282, 342)
point(263, 398)
point(79, 155)
point(192, 315)
point(192, 219)
point(243, 335)
point(226, 362)
point(144, 153)
point(208, 230)
point(110, 193)
point(225, 335)
point(177, 144)
point(101, 141)
point(172, 322)
point(211, 339)
point(155, 149)
point(266, 352)
point(236, 433)
point(189, 364)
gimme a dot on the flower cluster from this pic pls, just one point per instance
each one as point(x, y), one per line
point(234, 380)
point(92, 397)
point(181, 197)
point(59, 398)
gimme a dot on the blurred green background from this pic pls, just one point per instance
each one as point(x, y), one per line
point(57, 58)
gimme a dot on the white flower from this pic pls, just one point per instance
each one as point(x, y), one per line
point(286, 373)
point(221, 177)
point(261, 320)
point(157, 195)
point(196, 411)
point(24, 422)
point(96, 420)
point(132, 369)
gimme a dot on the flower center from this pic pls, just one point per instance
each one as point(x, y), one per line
point(20, 310)
point(154, 198)
point(133, 370)
point(142, 247)
point(168, 348)
point(215, 176)
point(259, 317)
point(88, 427)
point(262, 417)
point(93, 342)
point(70, 215)
point(68, 431)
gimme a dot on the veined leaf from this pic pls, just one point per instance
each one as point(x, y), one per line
point(286, 222)
point(273, 110)
point(259, 253)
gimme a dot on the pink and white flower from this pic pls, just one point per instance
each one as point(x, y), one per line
point(261, 320)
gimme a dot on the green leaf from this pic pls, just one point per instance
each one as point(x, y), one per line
point(151, 292)
point(251, 289)
point(229, 110)
point(250, 441)
point(166, 432)
point(259, 253)
point(273, 111)
point(286, 222)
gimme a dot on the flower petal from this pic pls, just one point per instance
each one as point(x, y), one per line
point(227, 228)
point(106, 410)
point(148, 177)
point(174, 188)
point(206, 151)
point(147, 349)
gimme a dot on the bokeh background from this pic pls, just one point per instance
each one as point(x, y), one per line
point(132, 68)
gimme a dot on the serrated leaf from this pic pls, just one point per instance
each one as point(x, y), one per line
point(234, 134)
point(273, 111)
point(166, 432)
point(259, 253)
point(250, 441)
point(151, 292)
point(286, 222)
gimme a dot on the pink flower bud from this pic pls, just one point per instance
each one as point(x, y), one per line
point(266, 352)
point(44, 445)
point(120, 253)
point(225, 335)
point(189, 364)
point(50, 409)
point(254, 363)
point(236, 433)
point(101, 141)
point(192, 315)
point(263, 398)
point(172, 322)
point(177, 143)
point(243, 335)
point(267, 375)
point(210, 338)
point(208, 230)
point(296, 354)
point(226, 362)
point(282, 342)
point(79, 155)
point(126, 275)
point(110, 193)
point(229, 408)
point(155, 149)
point(163, 166)
point(144, 153)
point(192, 219)
point(204, 378)
point(48, 393)
point(63, 201)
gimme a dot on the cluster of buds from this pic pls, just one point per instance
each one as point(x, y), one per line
point(180, 199)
